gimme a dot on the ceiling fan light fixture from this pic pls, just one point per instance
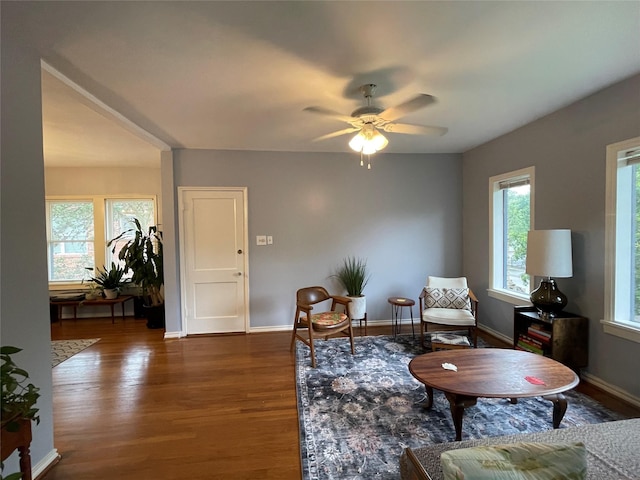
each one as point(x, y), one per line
point(357, 142)
point(368, 141)
point(378, 140)
point(368, 149)
point(368, 120)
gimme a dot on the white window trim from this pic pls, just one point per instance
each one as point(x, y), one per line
point(99, 230)
point(610, 324)
point(493, 291)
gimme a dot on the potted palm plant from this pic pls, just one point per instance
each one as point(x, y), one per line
point(18, 405)
point(142, 255)
point(353, 276)
point(111, 281)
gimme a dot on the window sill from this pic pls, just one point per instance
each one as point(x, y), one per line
point(508, 297)
point(622, 330)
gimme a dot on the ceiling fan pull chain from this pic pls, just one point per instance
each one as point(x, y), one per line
point(368, 162)
point(361, 159)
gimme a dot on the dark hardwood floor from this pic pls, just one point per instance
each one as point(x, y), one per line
point(136, 406)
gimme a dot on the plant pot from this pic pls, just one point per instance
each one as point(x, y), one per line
point(155, 315)
point(110, 294)
point(138, 307)
point(357, 307)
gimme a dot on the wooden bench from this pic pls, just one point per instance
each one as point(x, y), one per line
point(121, 299)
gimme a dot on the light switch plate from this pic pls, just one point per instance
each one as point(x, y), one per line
point(269, 240)
point(261, 240)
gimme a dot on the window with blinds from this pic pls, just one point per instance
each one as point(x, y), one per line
point(622, 240)
point(511, 217)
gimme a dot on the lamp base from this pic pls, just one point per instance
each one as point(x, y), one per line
point(547, 299)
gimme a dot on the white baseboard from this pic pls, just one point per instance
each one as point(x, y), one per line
point(47, 462)
point(380, 323)
point(611, 389)
point(168, 335)
point(288, 328)
point(274, 328)
point(495, 333)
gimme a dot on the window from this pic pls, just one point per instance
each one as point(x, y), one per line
point(78, 230)
point(622, 240)
point(511, 217)
point(120, 215)
point(70, 239)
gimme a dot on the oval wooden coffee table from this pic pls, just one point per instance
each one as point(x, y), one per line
point(493, 373)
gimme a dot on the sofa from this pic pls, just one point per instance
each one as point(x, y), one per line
point(612, 450)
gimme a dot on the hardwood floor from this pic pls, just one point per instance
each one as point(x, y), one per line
point(135, 406)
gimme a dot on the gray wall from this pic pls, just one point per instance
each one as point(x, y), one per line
point(24, 302)
point(403, 216)
point(568, 149)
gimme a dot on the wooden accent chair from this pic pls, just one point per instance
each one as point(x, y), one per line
point(449, 304)
point(323, 323)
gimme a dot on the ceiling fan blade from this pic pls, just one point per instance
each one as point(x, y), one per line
point(330, 113)
point(414, 129)
point(337, 134)
point(416, 103)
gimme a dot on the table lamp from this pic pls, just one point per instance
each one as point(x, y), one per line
point(549, 255)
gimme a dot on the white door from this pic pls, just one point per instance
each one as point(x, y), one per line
point(213, 259)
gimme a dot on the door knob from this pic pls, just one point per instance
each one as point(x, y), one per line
point(240, 252)
point(239, 274)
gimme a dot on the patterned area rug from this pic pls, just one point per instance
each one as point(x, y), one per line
point(62, 350)
point(358, 413)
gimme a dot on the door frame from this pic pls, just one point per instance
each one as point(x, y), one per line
point(245, 249)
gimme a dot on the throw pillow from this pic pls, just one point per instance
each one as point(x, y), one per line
point(457, 298)
point(517, 461)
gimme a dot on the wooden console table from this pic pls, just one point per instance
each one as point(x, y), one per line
point(101, 301)
point(20, 440)
point(565, 337)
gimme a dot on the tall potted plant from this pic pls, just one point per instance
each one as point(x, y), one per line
point(353, 276)
point(143, 256)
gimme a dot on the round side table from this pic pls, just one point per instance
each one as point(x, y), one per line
point(397, 303)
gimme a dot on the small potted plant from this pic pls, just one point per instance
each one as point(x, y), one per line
point(143, 256)
point(353, 276)
point(111, 281)
point(18, 403)
point(93, 291)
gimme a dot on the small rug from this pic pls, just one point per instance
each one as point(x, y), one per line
point(62, 350)
point(358, 413)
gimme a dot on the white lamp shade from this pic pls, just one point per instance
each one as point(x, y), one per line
point(368, 141)
point(357, 142)
point(549, 253)
point(378, 140)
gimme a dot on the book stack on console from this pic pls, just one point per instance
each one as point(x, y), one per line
point(530, 344)
point(539, 333)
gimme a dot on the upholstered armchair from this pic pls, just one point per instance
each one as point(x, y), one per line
point(448, 304)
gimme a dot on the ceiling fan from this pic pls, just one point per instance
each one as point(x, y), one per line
point(369, 119)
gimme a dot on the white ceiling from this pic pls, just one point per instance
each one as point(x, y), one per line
point(237, 75)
